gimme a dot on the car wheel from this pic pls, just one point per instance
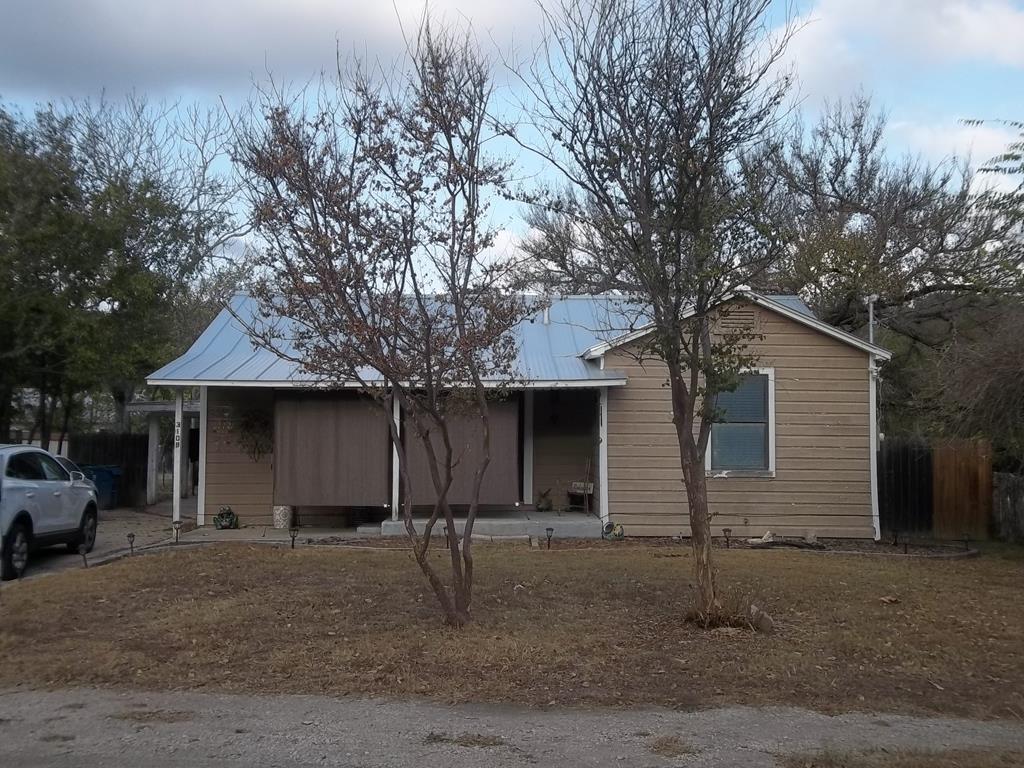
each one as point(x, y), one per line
point(86, 535)
point(15, 554)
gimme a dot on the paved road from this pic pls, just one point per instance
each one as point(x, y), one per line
point(89, 729)
point(111, 536)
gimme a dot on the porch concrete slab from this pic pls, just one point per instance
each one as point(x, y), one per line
point(517, 524)
point(265, 533)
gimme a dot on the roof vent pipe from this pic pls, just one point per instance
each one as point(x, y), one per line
point(546, 314)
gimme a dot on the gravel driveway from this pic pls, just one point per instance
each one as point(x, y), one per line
point(88, 727)
point(111, 537)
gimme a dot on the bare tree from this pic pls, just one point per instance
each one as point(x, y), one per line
point(977, 382)
point(920, 236)
point(373, 205)
point(177, 150)
point(658, 114)
point(158, 177)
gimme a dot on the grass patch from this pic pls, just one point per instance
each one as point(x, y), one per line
point(907, 759)
point(577, 627)
point(478, 740)
point(671, 746)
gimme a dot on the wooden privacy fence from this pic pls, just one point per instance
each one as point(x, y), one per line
point(939, 487)
point(127, 452)
point(1008, 507)
point(962, 489)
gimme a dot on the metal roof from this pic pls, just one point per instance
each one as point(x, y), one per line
point(548, 351)
point(551, 346)
point(791, 301)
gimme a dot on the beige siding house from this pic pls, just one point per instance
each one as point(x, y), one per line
point(792, 449)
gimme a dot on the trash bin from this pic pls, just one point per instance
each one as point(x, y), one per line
point(107, 478)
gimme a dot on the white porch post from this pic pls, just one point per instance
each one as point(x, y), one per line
point(396, 414)
point(186, 465)
point(873, 442)
point(152, 457)
point(203, 421)
point(176, 465)
point(602, 457)
point(527, 446)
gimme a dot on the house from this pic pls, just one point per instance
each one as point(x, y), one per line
point(793, 452)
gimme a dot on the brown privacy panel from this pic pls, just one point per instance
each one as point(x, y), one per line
point(501, 482)
point(331, 450)
point(962, 488)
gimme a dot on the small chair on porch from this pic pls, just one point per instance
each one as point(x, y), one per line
point(581, 496)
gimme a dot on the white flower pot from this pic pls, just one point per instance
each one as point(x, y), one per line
point(282, 516)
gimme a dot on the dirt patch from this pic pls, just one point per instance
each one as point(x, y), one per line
point(674, 546)
point(907, 759)
point(147, 716)
point(56, 738)
point(479, 740)
point(671, 746)
point(569, 627)
point(372, 542)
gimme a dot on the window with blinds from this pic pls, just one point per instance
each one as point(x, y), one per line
point(740, 439)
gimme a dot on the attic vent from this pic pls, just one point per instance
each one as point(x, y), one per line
point(739, 320)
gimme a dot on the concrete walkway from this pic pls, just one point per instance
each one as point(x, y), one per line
point(112, 531)
point(121, 730)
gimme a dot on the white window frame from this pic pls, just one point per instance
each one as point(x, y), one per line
point(770, 472)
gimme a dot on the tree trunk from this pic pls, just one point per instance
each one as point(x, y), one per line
point(700, 540)
point(420, 545)
point(695, 481)
point(65, 422)
point(43, 418)
point(6, 394)
point(122, 395)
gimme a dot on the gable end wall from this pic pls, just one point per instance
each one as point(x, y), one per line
point(822, 437)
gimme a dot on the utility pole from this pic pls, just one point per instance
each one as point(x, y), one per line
point(870, 301)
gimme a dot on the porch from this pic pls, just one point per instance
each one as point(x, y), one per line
point(326, 457)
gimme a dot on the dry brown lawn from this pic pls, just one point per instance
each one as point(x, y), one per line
point(908, 759)
point(567, 627)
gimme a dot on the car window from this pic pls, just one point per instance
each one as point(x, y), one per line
point(51, 468)
point(68, 464)
point(25, 466)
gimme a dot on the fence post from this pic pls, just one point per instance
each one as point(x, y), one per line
point(152, 457)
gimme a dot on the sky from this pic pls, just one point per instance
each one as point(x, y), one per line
point(928, 63)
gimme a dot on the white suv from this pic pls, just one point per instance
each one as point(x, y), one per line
point(41, 504)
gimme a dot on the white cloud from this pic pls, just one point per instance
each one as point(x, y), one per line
point(936, 141)
point(825, 62)
point(844, 43)
point(976, 144)
point(71, 47)
point(991, 30)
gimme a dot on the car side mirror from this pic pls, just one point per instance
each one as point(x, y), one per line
point(77, 477)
